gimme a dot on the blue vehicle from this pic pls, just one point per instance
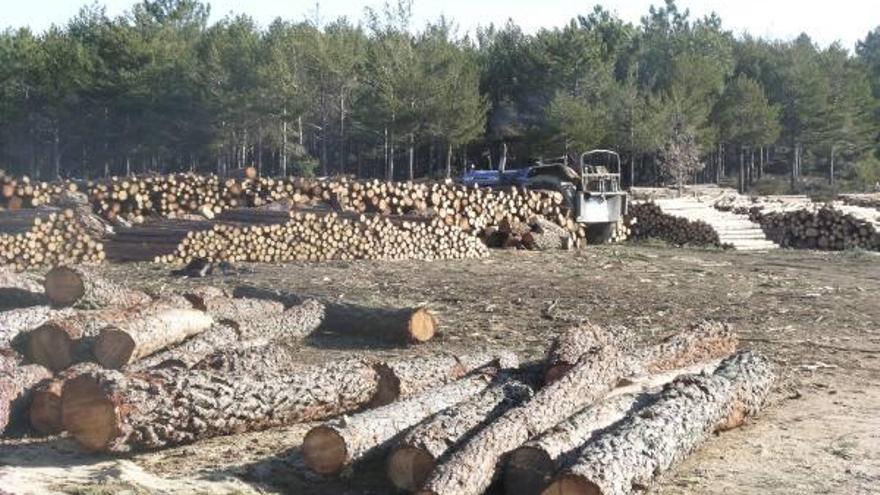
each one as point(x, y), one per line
point(592, 191)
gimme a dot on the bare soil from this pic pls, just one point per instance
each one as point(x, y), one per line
point(816, 314)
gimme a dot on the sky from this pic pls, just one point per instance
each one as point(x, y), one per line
point(846, 21)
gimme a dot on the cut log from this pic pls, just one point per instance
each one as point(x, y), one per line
point(406, 326)
point(471, 468)
point(644, 445)
point(568, 348)
point(330, 447)
point(10, 279)
point(81, 288)
point(17, 380)
point(128, 341)
point(703, 340)
point(14, 322)
point(113, 411)
point(44, 411)
point(529, 468)
point(406, 377)
point(416, 455)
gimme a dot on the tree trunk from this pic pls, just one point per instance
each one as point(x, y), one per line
point(502, 162)
point(341, 132)
point(284, 143)
point(449, 161)
point(644, 445)
point(17, 380)
point(742, 170)
point(112, 411)
point(416, 455)
point(81, 288)
point(19, 321)
point(411, 152)
point(831, 171)
point(56, 152)
point(530, 468)
point(328, 448)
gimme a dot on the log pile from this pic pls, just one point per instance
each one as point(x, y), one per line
point(647, 221)
point(823, 227)
point(16, 194)
point(46, 237)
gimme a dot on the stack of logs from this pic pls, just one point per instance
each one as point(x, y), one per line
point(16, 194)
point(47, 236)
point(822, 227)
point(322, 236)
point(179, 369)
point(647, 220)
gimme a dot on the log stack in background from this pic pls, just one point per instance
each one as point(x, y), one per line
point(817, 227)
point(647, 221)
point(47, 237)
point(16, 194)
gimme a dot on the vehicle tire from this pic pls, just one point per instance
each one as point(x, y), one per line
point(600, 233)
point(553, 183)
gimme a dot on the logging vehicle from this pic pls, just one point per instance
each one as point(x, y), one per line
point(593, 191)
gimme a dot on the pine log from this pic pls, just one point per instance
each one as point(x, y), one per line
point(81, 288)
point(568, 348)
point(644, 445)
point(416, 454)
point(406, 377)
point(44, 411)
point(17, 380)
point(113, 411)
point(701, 341)
point(14, 322)
point(10, 279)
point(128, 341)
point(530, 467)
point(330, 447)
point(407, 325)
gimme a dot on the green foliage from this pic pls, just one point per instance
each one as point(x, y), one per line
point(867, 173)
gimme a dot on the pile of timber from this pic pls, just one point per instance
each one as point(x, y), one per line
point(822, 227)
point(869, 200)
point(537, 234)
point(16, 194)
point(326, 236)
point(32, 238)
point(648, 221)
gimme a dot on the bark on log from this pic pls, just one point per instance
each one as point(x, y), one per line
point(530, 467)
point(113, 411)
point(14, 322)
point(17, 380)
point(471, 469)
point(703, 340)
point(81, 288)
point(330, 447)
point(130, 340)
point(568, 348)
point(10, 279)
point(404, 326)
point(644, 445)
point(416, 455)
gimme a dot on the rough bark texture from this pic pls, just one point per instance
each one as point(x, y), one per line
point(416, 455)
point(702, 341)
point(471, 469)
point(112, 411)
point(10, 279)
point(568, 348)
point(405, 377)
point(403, 326)
point(332, 446)
point(81, 288)
point(21, 320)
point(17, 380)
point(530, 468)
point(547, 235)
point(642, 446)
point(227, 343)
point(153, 330)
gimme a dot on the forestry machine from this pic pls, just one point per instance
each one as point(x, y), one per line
point(593, 191)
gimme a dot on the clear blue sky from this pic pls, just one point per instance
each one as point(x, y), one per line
point(844, 20)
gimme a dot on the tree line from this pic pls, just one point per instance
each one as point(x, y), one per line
point(160, 89)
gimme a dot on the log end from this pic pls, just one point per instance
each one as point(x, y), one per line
point(64, 286)
point(51, 346)
point(409, 468)
point(45, 412)
point(88, 413)
point(422, 326)
point(528, 471)
point(113, 348)
point(324, 450)
point(572, 485)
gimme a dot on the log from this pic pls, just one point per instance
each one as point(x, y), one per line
point(417, 453)
point(17, 380)
point(701, 341)
point(44, 411)
point(10, 279)
point(407, 325)
point(568, 348)
point(529, 468)
point(644, 445)
point(114, 411)
point(328, 448)
point(81, 288)
point(130, 340)
point(14, 322)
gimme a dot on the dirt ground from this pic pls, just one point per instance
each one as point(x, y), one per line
point(816, 314)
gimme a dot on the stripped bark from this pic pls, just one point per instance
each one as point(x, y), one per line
point(530, 467)
point(644, 445)
point(330, 447)
point(81, 288)
point(113, 411)
point(17, 380)
point(417, 453)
